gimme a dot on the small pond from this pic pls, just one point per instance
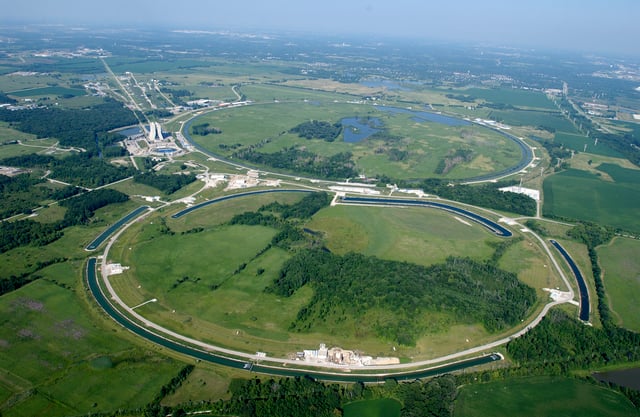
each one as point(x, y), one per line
point(629, 378)
point(357, 129)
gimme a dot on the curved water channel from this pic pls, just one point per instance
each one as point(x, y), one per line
point(582, 286)
point(143, 328)
point(239, 363)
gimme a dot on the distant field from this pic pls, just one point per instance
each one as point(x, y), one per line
point(512, 96)
point(373, 408)
point(541, 397)
point(583, 195)
point(577, 143)
point(550, 119)
point(48, 91)
point(621, 266)
point(418, 235)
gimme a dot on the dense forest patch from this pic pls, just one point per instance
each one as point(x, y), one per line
point(353, 284)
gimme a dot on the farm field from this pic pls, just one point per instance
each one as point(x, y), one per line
point(583, 195)
point(514, 97)
point(577, 142)
point(540, 397)
point(621, 267)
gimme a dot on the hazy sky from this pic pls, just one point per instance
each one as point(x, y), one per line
point(597, 25)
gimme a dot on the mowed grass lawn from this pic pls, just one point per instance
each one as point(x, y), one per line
point(621, 265)
point(385, 407)
point(540, 397)
point(582, 195)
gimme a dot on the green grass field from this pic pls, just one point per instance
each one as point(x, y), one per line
point(49, 339)
point(418, 235)
point(621, 266)
point(386, 407)
point(550, 119)
point(540, 397)
point(582, 195)
point(208, 287)
point(48, 91)
point(577, 143)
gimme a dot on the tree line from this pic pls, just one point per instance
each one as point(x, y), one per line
point(85, 128)
point(205, 129)
point(78, 169)
point(168, 184)
point(316, 129)
point(338, 166)
point(484, 195)
point(78, 211)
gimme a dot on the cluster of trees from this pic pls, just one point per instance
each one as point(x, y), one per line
point(560, 344)
point(283, 397)
point(456, 157)
point(5, 99)
point(282, 217)
point(304, 396)
point(315, 129)
point(465, 289)
point(461, 97)
point(79, 210)
point(338, 166)
point(168, 184)
point(83, 128)
point(304, 209)
point(485, 195)
point(397, 155)
point(88, 172)
point(27, 232)
point(556, 151)
point(13, 282)
point(205, 129)
point(19, 194)
point(79, 169)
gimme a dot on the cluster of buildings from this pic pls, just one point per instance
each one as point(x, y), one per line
point(339, 356)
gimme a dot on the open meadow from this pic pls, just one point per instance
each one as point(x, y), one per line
point(621, 267)
point(410, 147)
point(540, 397)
